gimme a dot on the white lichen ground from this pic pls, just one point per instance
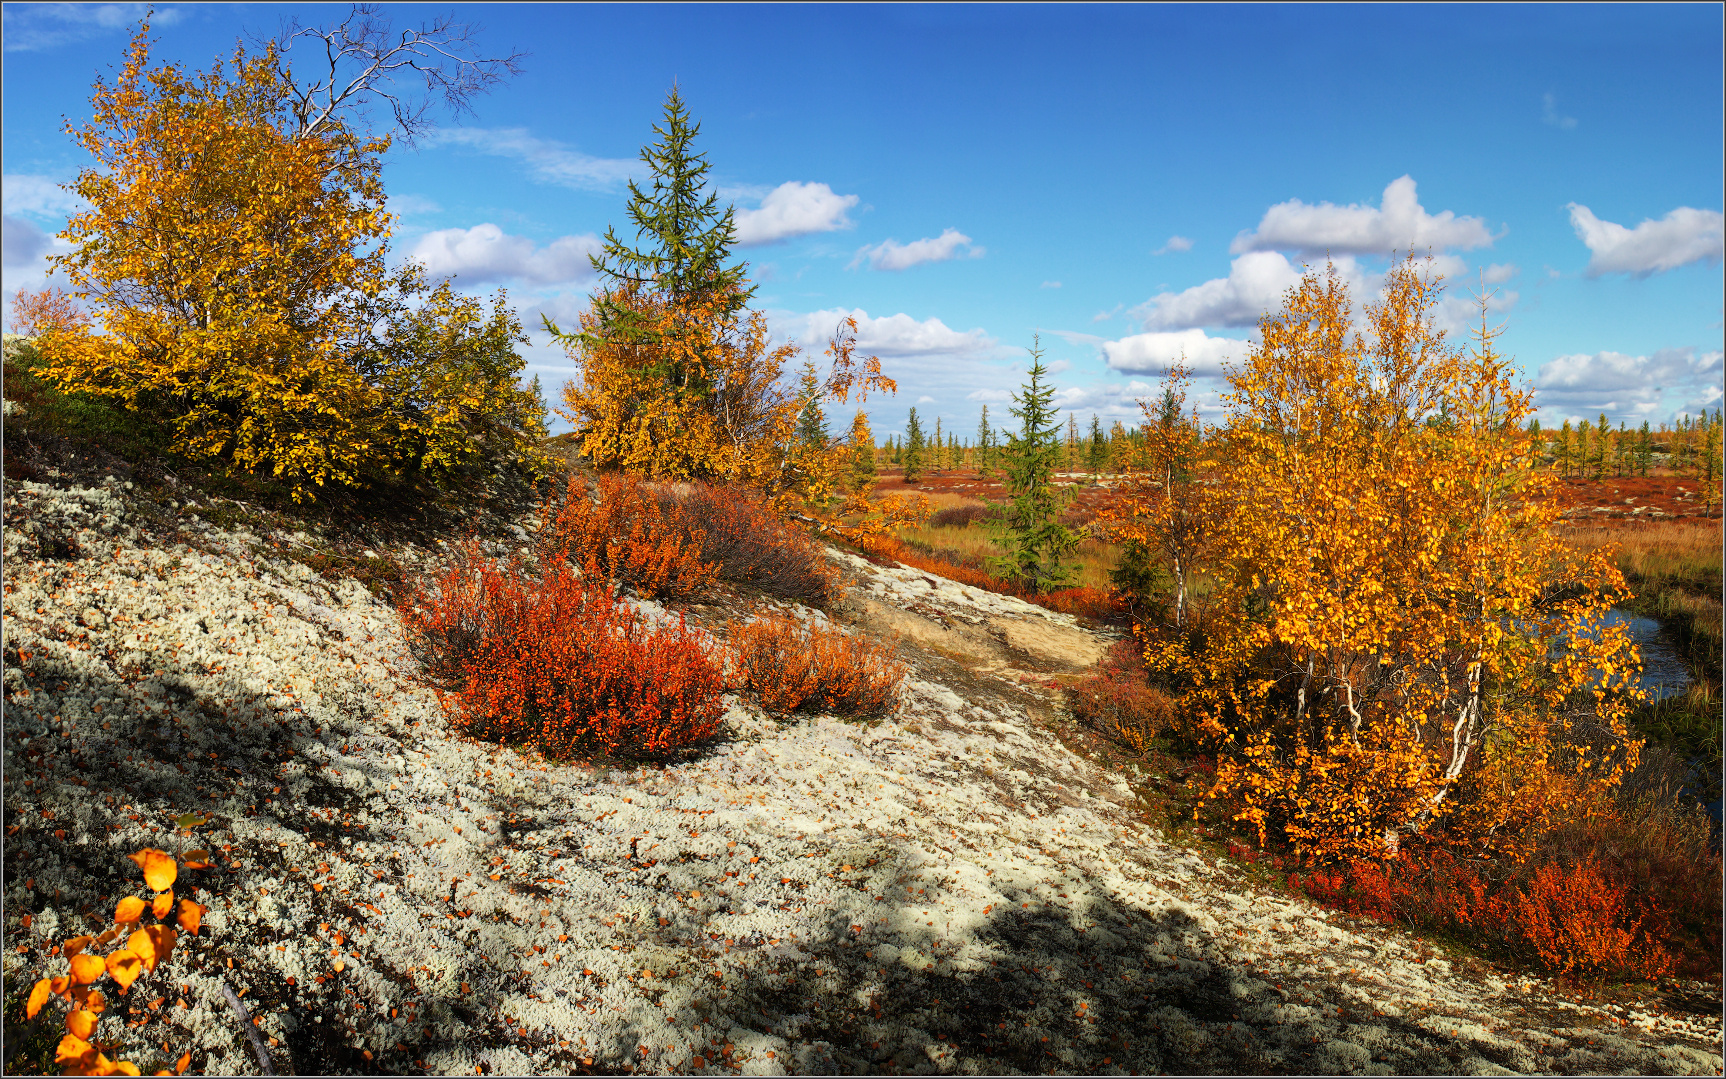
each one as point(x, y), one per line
point(946, 891)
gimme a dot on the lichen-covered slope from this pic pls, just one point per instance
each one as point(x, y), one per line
point(949, 890)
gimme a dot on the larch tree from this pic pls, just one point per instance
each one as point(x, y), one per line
point(1396, 639)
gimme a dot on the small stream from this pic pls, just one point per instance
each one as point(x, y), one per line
point(1663, 672)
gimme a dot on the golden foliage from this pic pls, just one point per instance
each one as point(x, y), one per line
point(238, 272)
point(791, 666)
point(1394, 636)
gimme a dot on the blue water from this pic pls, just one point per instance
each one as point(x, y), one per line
point(1663, 673)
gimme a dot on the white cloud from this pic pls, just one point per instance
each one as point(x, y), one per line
point(23, 243)
point(1550, 116)
point(1628, 388)
point(548, 161)
point(34, 27)
point(1153, 353)
point(28, 194)
point(925, 400)
point(890, 335)
point(487, 253)
point(893, 255)
point(1058, 367)
point(1050, 284)
point(1500, 272)
point(1685, 235)
point(1176, 243)
point(1398, 224)
point(1255, 284)
point(1104, 316)
point(794, 209)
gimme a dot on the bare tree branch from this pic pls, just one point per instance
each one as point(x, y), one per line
point(361, 61)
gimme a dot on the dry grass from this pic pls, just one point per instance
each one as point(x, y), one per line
point(972, 544)
point(1674, 569)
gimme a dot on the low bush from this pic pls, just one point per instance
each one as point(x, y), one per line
point(640, 537)
point(1085, 602)
point(793, 666)
point(751, 546)
point(1633, 892)
point(966, 514)
point(557, 662)
point(1120, 702)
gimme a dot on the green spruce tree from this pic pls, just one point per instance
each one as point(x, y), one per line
point(811, 421)
point(1031, 531)
point(913, 456)
point(983, 438)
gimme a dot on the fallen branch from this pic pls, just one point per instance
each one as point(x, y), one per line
point(251, 1030)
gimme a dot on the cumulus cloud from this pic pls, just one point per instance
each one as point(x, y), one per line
point(23, 243)
point(1551, 117)
point(24, 193)
point(487, 253)
point(1176, 243)
point(890, 335)
point(1255, 284)
point(1153, 353)
point(1685, 235)
point(547, 161)
point(794, 209)
point(1499, 272)
point(893, 255)
point(35, 27)
point(1399, 223)
point(1628, 388)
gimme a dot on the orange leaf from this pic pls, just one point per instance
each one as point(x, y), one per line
point(159, 868)
point(118, 1067)
point(128, 910)
point(39, 994)
point(185, 1059)
point(81, 1024)
point(197, 859)
point(74, 1052)
point(163, 904)
point(108, 935)
point(75, 945)
point(87, 968)
point(190, 914)
point(59, 986)
point(152, 944)
point(94, 1002)
point(125, 966)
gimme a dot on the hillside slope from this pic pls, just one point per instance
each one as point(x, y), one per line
point(949, 890)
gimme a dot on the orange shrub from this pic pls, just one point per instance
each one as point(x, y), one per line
point(751, 546)
point(642, 538)
point(1119, 701)
point(559, 663)
point(1570, 917)
point(792, 666)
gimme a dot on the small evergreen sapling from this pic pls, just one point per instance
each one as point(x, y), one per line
point(1032, 530)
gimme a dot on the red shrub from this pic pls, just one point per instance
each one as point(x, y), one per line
point(791, 666)
point(751, 546)
point(559, 663)
point(1119, 701)
point(1097, 603)
point(642, 538)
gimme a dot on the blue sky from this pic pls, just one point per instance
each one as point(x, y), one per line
point(1127, 182)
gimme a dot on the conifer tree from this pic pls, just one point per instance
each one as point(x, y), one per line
point(811, 421)
point(862, 454)
point(1561, 453)
point(1096, 448)
point(983, 440)
point(1072, 441)
point(1032, 528)
point(684, 239)
point(914, 454)
point(938, 445)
